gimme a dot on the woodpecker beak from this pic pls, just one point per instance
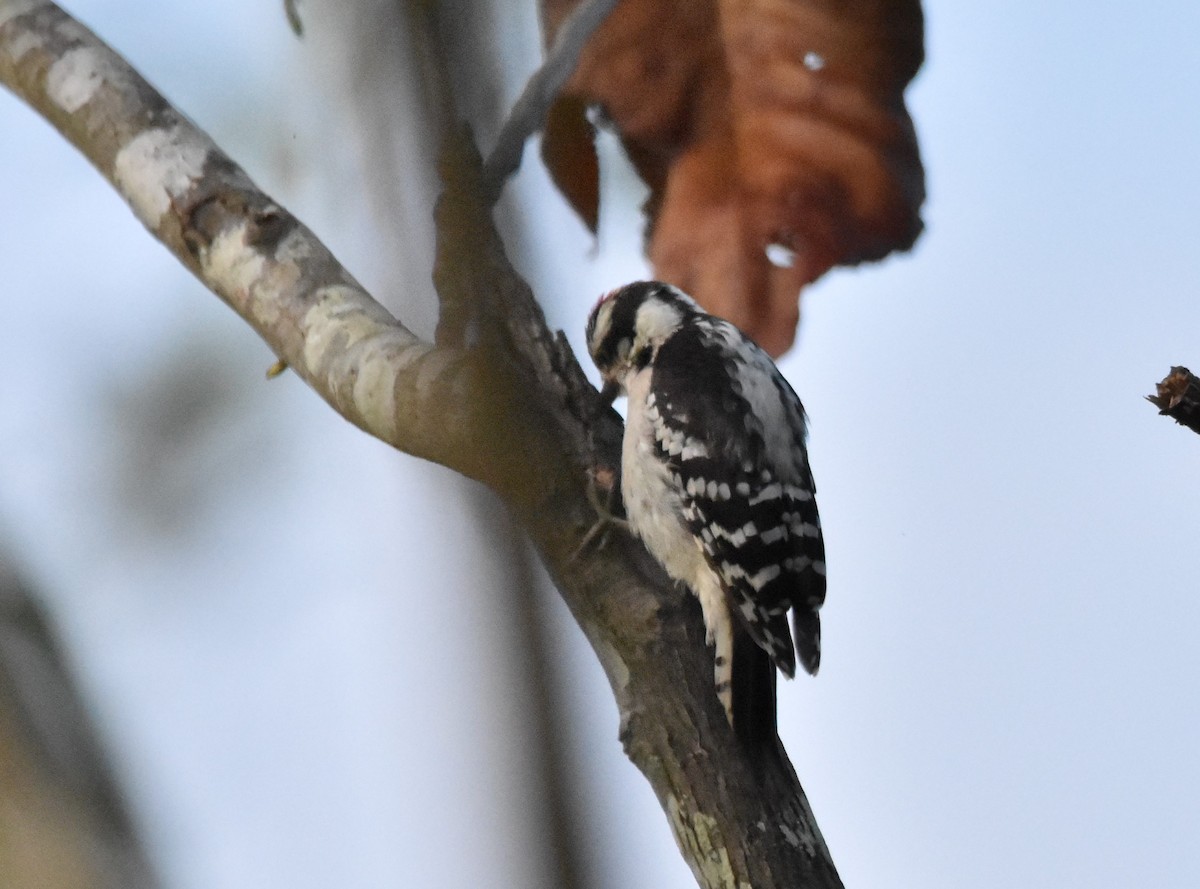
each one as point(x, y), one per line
point(609, 391)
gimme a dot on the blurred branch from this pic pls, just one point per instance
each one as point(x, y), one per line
point(63, 822)
point(508, 406)
point(291, 10)
point(531, 108)
point(444, 56)
point(554, 800)
point(1178, 397)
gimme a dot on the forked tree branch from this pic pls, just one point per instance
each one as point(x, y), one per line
point(498, 398)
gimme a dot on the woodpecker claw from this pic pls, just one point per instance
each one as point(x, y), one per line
point(606, 516)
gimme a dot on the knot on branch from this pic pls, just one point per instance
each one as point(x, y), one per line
point(1178, 397)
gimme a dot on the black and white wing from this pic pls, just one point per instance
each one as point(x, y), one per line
point(732, 430)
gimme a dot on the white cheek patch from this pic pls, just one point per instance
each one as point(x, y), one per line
point(600, 329)
point(656, 320)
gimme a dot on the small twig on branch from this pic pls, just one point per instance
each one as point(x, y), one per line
point(529, 112)
point(1178, 397)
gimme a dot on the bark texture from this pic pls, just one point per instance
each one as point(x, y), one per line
point(498, 397)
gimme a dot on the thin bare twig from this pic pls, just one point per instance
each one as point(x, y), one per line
point(529, 112)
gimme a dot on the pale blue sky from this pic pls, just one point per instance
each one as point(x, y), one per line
point(1007, 692)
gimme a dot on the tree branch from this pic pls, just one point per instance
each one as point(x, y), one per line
point(63, 820)
point(1178, 397)
point(529, 112)
point(506, 404)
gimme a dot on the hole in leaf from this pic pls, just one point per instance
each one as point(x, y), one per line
point(781, 256)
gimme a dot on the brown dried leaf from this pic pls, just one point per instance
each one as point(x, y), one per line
point(569, 153)
point(759, 123)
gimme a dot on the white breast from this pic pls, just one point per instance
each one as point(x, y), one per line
point(652, 502)
point(655, 512)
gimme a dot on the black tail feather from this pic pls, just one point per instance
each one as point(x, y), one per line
point(754, 678)
point(807, 622)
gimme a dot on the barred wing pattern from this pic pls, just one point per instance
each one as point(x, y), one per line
point(732, 431)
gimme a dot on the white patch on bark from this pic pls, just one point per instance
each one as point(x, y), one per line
point(339, 335)
point(230, 264)
point(790, 836)
point(158, 166)
point(799, 828)
point(284, 273)
point(14, 8)
point(23, 43)
point(698, 836)
point(336, 319)
point(73, 80)
point(297, 246)
point(375, 385)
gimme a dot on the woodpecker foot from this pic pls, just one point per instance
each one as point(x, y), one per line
point(604, 495)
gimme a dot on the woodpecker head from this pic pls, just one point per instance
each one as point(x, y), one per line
point(628, 325)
